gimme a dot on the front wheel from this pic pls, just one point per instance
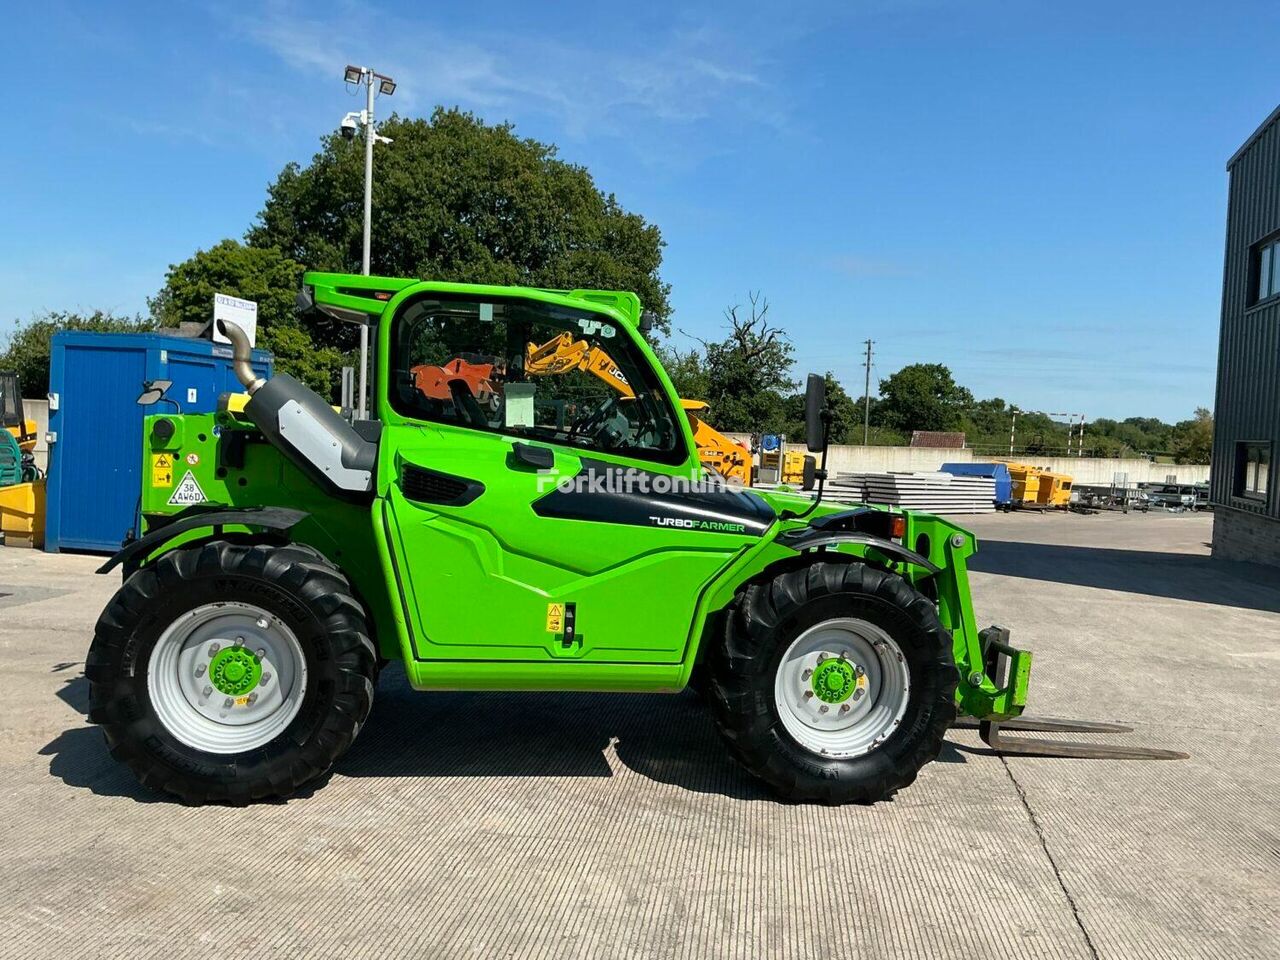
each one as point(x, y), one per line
point(834, 682)
point(230, 672)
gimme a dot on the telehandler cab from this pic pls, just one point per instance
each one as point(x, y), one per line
point(286, 553)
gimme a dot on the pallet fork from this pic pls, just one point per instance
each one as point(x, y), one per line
point(997, 653)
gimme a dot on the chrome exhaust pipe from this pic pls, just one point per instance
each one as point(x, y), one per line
point(241, 356)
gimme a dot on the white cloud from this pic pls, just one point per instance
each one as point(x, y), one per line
point(681, 77)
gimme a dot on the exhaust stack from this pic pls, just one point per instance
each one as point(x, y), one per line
point(242, 356)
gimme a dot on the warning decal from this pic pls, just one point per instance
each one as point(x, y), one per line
point(161, 470)
point(555, 617)
point(188, 493)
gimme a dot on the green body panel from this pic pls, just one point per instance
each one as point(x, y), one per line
point(473, 596)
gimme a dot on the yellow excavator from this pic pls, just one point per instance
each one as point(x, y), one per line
point(564, 353)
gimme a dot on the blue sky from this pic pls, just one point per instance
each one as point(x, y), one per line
point(1032, 193)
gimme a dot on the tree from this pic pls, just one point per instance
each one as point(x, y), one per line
point(749, 372)
point(30, 344)
point(846, 416)
point(1193, 439)
point(457, 199)
point(922, 396)
point(271, 280)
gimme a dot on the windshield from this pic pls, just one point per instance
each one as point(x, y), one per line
point(531, 370)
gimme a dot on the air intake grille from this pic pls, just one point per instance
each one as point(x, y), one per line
point(428, 486)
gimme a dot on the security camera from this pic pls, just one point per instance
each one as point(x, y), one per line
point(349, 126)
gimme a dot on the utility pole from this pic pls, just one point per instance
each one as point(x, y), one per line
point(1013, 428)
point(866, 401)
point(367, 77)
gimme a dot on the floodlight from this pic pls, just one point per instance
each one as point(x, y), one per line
point(387, 86)
point(353, 74)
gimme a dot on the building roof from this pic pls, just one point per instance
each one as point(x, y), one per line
point(937, 438)
point(1253, 137)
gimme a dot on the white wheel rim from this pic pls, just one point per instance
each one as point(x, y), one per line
point(193, 705)
point(850, 706)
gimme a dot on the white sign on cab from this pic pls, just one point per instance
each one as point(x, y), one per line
point(243, 313)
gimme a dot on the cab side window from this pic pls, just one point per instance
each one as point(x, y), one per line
point(531, 370)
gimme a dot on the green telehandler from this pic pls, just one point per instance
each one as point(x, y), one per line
point(496, 530)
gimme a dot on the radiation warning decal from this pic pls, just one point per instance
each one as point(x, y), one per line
point(187, 493)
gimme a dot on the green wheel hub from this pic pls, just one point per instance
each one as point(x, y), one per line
point(235, 671)
point(834, 680)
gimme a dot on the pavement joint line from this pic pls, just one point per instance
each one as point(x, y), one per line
point(1053, 864)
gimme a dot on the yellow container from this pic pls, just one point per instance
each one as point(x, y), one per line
point(1055, 489)
point(1026, 482)
point(22, 514)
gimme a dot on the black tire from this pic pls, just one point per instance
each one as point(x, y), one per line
point(296, 584)
point(764, 621)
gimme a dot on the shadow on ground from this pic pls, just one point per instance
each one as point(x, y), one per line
point(1180, 576)
point(668, 739)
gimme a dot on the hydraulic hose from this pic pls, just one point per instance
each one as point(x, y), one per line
point(242, 356)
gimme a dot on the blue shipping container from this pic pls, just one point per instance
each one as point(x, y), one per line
point(95, 424)
point(996, 471)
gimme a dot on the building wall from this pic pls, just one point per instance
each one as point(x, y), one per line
point(1238, 535)
point(1247, 406)
point(1088, 470)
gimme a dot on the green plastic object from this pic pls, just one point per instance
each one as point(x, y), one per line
point(10, 460)
point(234, 671)
point(834, 680)
point(471, 590)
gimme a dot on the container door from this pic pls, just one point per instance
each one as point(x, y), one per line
point(95, 481)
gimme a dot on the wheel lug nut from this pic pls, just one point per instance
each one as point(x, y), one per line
point(857, 694)
point(823, 709)
point(239, 641)
point(265, 679)
point(213, 648)
point(262, 624)
point(227, 703)
point(253, 698)
point(844, 708)
point(200, 670)
point(206, 691)
point(862, 672)
point(261, 652)
point(808, 694)
point(821, 657)
point(806, 675)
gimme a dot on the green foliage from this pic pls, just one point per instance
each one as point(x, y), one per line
point(846, 416)
point(29, 345)
point(457, 199)
point(265, 276)
point(295, 353)
point(270, 279)
point(1193, 439)
point(744, 377)
point(922, 396)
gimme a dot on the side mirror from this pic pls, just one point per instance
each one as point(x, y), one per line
point(815, 402)
point(153, 392)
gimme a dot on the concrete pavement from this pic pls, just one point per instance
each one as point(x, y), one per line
point(495, 825)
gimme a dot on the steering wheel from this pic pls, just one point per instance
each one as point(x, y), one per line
point(592, 423)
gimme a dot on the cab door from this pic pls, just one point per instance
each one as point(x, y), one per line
point(543, 517)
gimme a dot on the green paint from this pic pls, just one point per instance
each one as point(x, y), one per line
point(460, 594)
point(234, 671)
point(834, 680)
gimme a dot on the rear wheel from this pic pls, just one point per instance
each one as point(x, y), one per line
point(834, 682)
point(231, 672)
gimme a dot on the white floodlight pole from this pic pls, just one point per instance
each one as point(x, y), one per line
point(368, 77)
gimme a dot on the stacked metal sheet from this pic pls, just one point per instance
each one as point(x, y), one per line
point(927, 492)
